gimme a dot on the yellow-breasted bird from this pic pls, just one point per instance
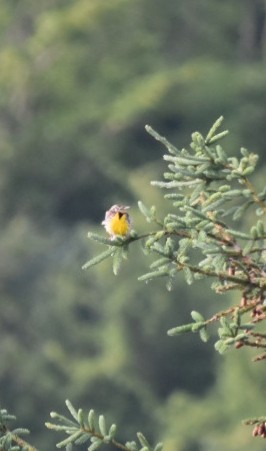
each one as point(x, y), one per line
point(117, 221)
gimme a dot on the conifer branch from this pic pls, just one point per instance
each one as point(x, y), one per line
point(202, 181)
point(23, 443)
point(255, 196)
point(11, 439)
point(209, 191)
point(95, 430)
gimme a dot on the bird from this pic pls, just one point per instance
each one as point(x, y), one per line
point(117, 222)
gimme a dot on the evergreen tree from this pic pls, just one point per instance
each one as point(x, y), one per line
point(198, 238)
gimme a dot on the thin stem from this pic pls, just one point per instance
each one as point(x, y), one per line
point(219, 315)
point(254, 194)
point(221, 275)
point(17, 439)
point(259, 357)
point(114, 442)
point(258, 335)
point(23, 443)
point(209, 273)
point(255, 344)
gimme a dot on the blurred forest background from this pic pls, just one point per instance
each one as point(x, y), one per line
point(79, 79)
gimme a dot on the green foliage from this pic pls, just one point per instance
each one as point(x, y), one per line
point(117, 249)
point(93, 429)
point(10, 440)
point(200, 240)
point(198, 326)
point(79, 78)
